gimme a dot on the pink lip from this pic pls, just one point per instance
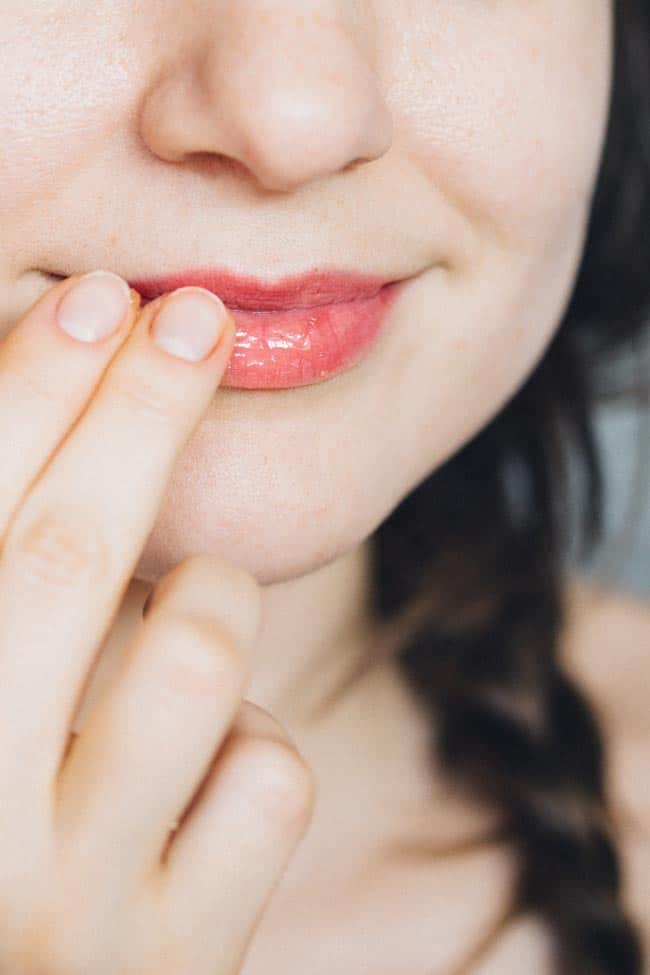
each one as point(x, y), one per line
point(296, 331)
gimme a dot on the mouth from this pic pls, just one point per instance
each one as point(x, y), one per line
point(296, 331)
point(311, 290)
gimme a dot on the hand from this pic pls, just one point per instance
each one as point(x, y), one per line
point(91, 879)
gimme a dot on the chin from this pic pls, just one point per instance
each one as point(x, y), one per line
point(270, 560)
point(277, 522)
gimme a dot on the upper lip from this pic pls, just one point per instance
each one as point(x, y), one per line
point(317, 287)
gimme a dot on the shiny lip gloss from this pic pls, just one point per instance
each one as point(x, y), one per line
point(295, 332)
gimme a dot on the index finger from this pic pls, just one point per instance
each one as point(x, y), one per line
point(71, 549)
point(47, 376)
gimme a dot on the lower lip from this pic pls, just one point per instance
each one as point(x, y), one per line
point(302, 346)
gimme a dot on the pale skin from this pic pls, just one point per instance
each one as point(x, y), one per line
point(453, 142)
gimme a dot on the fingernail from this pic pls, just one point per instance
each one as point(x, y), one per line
point(189, 323)
point(94, 307)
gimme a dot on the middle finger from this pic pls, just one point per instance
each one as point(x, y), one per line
point(71, 549)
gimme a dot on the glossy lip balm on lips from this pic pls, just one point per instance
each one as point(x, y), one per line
point(299, 331)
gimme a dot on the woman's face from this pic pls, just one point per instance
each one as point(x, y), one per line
point(152, 137)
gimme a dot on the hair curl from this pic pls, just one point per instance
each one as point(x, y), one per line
point(509, 724)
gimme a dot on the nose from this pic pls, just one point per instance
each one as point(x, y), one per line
point(290, 96)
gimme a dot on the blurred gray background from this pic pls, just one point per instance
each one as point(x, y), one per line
point(623, 433)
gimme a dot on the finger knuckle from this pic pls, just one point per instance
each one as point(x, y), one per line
point(58, 547)
point(278, 780)
point(201, 655)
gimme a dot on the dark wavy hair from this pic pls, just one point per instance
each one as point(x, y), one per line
point(481, 544)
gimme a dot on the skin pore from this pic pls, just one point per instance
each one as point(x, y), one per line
point(451, 142)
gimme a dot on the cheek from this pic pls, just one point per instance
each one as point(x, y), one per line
point(65, 76)
point(464, 345)
point(503, 108)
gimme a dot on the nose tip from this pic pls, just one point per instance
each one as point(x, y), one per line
point(290, 106)
point(295, 136)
